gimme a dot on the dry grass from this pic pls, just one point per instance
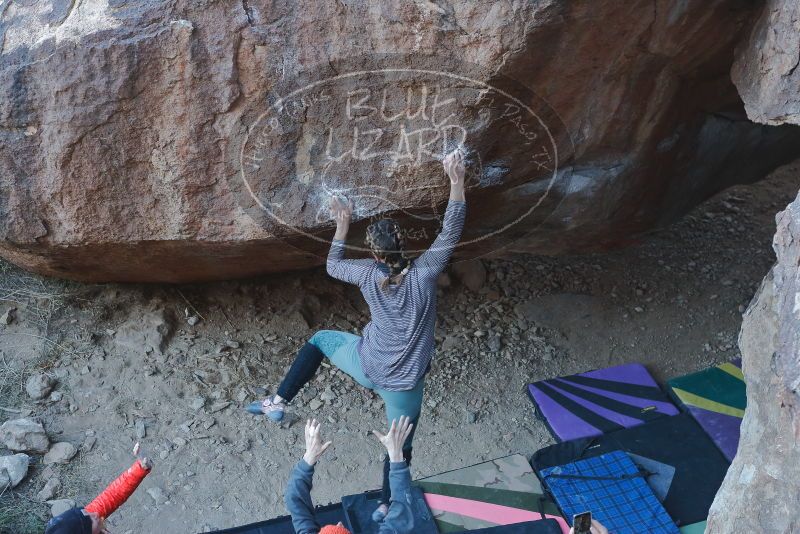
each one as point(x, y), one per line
point(37, 300)
point(19, 514)
point(37, 297)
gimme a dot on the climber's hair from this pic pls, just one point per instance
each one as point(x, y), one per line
point(385, 239)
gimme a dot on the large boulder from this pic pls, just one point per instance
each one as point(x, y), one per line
point(761, 491)
point(155, 141)
point(765, 71)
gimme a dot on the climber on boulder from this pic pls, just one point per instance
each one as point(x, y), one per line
point(395, 350)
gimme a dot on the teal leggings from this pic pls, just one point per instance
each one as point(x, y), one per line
point(341, 348)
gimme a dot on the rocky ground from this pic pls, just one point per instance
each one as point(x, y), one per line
point(172, 367)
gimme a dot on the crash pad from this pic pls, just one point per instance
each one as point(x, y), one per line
point(503, 491)
point(687, 467)
point(543, 526)
point(326, 515)
point(358, 512)
point(599, 401)
point(613, 489)
point(694, 528)
point(716, 398)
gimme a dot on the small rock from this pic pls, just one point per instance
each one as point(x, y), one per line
point(49, 490)
point(449, 343)
point(494, 343)
point(193, 320)
point(163, 455)
point(197, 403)
point(219, 406)
point(24, 435)
point(471, 416)
point(88, 444)
point(157, 494)
point(48, 472)
point(141, 429)
point(60, 453)
point(232, 344)
point(59, 506)
point(13, 469)
point(479, 333)
point(56, 396)
point(315, 405)
point(9, 316)
point(470, 273)
point(327, 396)
point(39, 386)
point(145, 331)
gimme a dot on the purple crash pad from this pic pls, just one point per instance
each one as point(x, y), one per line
point(600, 401)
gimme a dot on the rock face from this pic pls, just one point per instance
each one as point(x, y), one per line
point(154, 141)
point(24, 435)
point(761, 492)
point(765, 71)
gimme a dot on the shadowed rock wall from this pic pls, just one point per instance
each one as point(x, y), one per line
point(761, 492)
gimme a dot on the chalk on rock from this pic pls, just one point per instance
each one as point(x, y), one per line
point(60, 453)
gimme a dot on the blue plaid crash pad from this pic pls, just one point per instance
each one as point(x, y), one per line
point(613, 489)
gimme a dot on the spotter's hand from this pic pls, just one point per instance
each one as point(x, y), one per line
point(314, 444)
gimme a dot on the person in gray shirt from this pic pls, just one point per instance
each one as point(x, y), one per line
point(394, 352)
point(400, 516)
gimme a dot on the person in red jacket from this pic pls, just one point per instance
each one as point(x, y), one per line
point(91, 518)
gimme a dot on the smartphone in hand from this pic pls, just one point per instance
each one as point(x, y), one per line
point(582, 523)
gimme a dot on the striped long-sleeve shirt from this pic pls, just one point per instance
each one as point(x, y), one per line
point(398, 343)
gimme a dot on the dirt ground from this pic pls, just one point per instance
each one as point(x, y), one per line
point(129, 364)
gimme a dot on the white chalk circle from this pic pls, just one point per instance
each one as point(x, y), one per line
point(378, 136)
